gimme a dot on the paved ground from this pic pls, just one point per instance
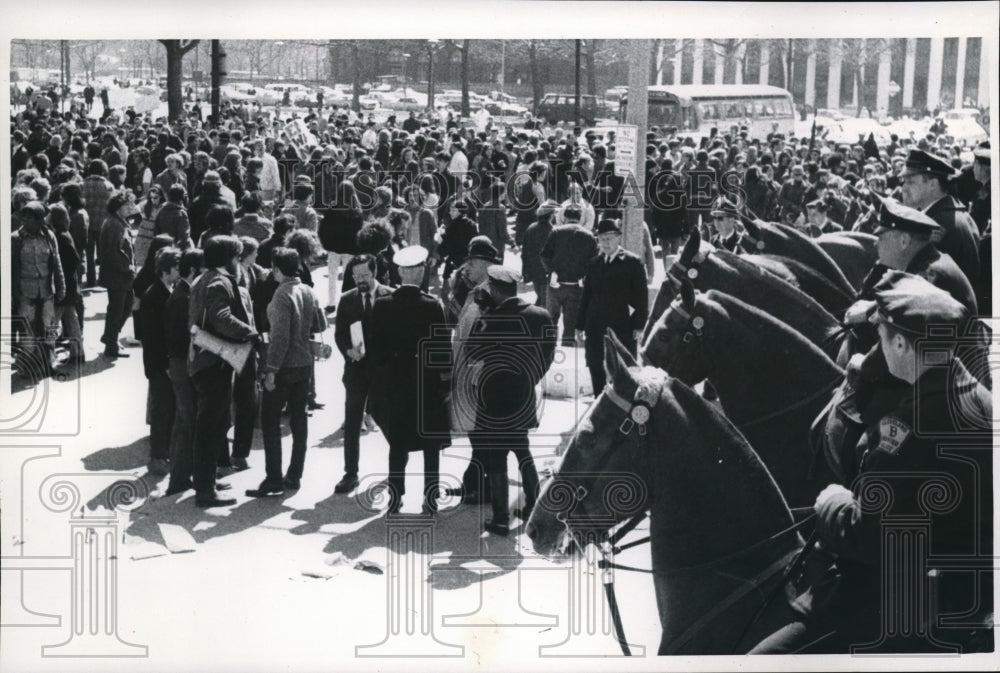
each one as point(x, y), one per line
point(271, 584)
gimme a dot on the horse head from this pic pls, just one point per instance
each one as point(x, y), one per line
point(696, 259)
point(720, 530)
point(780, 239)
point(674, 343)
point(599, 481)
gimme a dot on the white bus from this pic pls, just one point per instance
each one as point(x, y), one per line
point(695, 108)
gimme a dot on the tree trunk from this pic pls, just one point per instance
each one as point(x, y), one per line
point(175, 63)
point(537, 85)
point(356, 92)
point(465, 78)
point(591, 71)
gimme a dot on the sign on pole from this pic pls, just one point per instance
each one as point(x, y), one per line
point(626, 149)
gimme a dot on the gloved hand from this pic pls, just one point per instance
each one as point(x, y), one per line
point(831, 505)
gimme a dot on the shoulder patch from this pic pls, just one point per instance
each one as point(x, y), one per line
point(892, 433)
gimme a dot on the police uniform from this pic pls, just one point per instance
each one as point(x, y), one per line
point(959, 236)
point(611, 287)
point(734, 243)
point(925, 478)
point(408, 391)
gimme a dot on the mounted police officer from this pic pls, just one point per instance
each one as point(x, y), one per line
point(726, 221)
point(925, 187)
point(918, 470)
point(408, 392)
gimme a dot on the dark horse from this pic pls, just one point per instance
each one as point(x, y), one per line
point(853, 251)
point(786, 241)
point(771, 381)
point(811, 282)
point(707, 268)
point(720, 530)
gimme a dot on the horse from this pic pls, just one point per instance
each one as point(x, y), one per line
point(781, 239)
point(771, 381)
point(708, 268)
point(720, 530)
point(853, 251)
point(806, 278)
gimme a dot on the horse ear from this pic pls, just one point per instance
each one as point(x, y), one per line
point(613, 364)
point(691, 247)
point(687, 293)
point(751, 226)
point(626, 357)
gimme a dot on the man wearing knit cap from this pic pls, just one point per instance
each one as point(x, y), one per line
point(509, 350)
point(408, 391)
point(901, 453)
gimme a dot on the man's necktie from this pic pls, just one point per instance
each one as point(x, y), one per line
point(368, 303)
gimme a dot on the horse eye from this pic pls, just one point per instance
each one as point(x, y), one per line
point(687, 337)
point(663, 336)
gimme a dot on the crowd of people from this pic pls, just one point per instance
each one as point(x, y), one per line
point(207, 233)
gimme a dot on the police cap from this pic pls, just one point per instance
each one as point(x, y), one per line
point(608, 226)
point(413, 255)
point(911, 304)
point(982, 152)
point(817, 204)
point(920, 162)
point(894, 215)
point(725, 208)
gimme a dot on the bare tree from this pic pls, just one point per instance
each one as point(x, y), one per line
point(88, 52)
point(176, 49)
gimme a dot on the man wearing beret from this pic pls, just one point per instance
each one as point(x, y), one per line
point(615, 295)
point(407, 397)
point(935, 439)
point(924, 186)
point(509, 350)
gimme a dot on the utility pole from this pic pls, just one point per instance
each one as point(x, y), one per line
point(218, 76)
point(576, 85)
point(640, 53)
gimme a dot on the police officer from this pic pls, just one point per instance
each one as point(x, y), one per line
point(924, 185)
point(726, 219)
point(615, 295)
point(408, 392)
point(509, 350)
point(935, 439)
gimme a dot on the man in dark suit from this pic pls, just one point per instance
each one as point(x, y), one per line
point(510, 349)
point(155, 359)
point(217, 307)
point(615, 281)
point(408, 391)
point(354, 306)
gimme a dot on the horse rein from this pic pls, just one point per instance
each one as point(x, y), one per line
point(637, 415)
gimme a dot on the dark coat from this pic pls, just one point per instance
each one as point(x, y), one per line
point(454, 247)
point(349, 311)
point(519, 334)
point(961, 235)
point(173, 219)
point(175, 320)
point(338, 230)
point(199, 210)
point(217, 306)
point(152, 314)
point(408, 392)
point(609, 289)
point(70, 260)
point(117, 258)
point(899, 450)
point(531, 251)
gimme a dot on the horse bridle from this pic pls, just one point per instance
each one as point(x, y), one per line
point(637, 415)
